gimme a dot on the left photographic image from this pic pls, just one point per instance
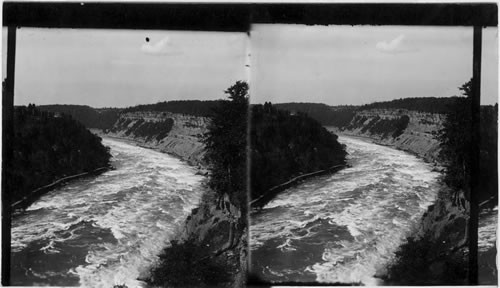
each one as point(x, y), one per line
point(128, 157)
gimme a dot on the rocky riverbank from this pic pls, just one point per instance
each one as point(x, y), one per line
point(436, 251)
point(27, 200)
point(216, 230)
point(177, 134)
point(417, 138)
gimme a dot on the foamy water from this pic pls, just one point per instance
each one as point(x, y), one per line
point(105, 230)
point(343, 227)
point(487, 230)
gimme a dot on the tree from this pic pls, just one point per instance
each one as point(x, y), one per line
point(455, 137)
point(226, 146)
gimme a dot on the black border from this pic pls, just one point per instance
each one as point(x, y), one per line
point(238, 17)
point(440, 14)
point(197, 17)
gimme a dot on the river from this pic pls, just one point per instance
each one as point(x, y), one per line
point(343, 227)
point(105, 230)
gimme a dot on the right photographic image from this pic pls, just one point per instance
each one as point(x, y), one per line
point(365, 154)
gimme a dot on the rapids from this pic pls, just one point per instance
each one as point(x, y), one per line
point(105, 230)
point(343, 227)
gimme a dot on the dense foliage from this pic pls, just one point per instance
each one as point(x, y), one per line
point(90, 117)
point(421, 104)
point(187, 264)
point(326, 115)
point(488, 149)
point(226, 145)
point(456, 145)
point(285, 145)
point(425, 262)
point(341, 116)
point(190, 107)
point(47, 147)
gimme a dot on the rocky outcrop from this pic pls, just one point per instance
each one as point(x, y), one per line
point(216, 224)
point(219, 226)
point(440, 236)
point(176, 134)
point(418, 137)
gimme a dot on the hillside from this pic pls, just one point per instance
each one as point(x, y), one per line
point(324, 114)
point(177, 134)
point(408, 124)
point(48, 147)
point(407, 130)
point(438, 105)
point(190, 107)
point(285, 146)
point(90, 117)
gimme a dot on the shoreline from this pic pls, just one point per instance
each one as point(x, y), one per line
point(274, 191)
point(438, 166)
point(201, 168)
point(442, 222)
point(21, 205)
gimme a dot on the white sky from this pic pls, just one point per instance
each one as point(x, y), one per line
point(335, 65)
point(118, 68)
point(340, 65)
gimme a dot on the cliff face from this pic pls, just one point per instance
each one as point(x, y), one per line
point(387, 127)
point(215, 225)
point(440, 236)
point(176, 134)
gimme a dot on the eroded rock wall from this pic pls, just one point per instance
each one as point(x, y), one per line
point(419, 136)
point(177, 134)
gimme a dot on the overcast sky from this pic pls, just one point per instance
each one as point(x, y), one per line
point(335, 65)
point(119, 68)
point(340, 65)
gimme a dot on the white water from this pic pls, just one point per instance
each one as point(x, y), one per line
point(487, 230)
point(343, 227)
point(117, 222)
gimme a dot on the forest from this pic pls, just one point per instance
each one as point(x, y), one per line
point(341, 116)
point(103, 118)
point(420, 104)
point(456, 146)
point(48, 146)
point(190, 107)
point(286, 145)
point(338, 116)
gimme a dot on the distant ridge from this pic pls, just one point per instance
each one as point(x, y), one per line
point(342, 115)
point(102, 118)
point(420, 104)
point(105, 118)
point(202, 108)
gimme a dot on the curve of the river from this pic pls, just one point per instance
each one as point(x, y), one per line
point(343, 227)
point(105, 230)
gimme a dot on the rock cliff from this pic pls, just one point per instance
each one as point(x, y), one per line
point(176, 134)
point(387, 127)
point(216, 224)
point(443, 227)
